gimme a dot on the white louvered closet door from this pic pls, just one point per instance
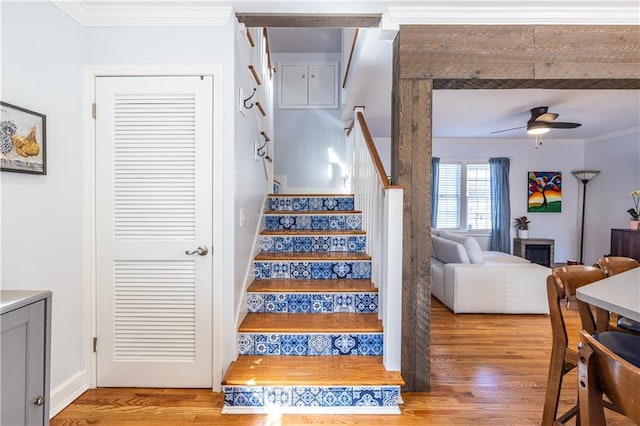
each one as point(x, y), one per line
point(154, 202)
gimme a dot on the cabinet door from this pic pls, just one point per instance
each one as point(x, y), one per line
point(322, 85)
point(293, 90)
point(22, 360)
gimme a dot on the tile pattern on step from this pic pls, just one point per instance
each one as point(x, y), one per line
point(319, 203)
point(314, 244)
point(312, 344)
point(279, 221)
point(312, 270)
point(312, 303)
point(311, 396)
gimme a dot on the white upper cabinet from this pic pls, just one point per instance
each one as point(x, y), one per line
point(308, 85)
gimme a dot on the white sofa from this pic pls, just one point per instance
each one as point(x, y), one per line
point(469, 280)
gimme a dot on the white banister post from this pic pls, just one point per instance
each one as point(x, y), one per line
point(392, 319)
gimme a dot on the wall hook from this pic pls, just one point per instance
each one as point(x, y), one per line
point(249, 98)
point(261, 151)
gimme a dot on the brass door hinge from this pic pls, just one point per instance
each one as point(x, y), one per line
point(93, 110)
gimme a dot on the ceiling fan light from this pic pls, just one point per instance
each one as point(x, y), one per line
point(537, 128)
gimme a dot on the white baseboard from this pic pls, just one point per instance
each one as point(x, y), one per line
point(67, 392)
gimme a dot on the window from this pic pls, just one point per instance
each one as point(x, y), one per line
point(464, 196)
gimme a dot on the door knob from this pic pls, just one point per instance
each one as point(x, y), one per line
point(201, 250)
point(39, 401)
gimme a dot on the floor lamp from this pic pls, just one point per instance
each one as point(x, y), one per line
point(585, 176)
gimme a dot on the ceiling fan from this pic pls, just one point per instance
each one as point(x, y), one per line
point(542, 121)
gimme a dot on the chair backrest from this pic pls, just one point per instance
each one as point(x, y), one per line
point(555, 292)
point(617, 264)
point(602, 371)
point(574, 276)
point(568, 279)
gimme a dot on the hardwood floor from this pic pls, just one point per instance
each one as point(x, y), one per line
point(486, 370)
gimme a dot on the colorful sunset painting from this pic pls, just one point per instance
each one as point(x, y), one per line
point(544, 192)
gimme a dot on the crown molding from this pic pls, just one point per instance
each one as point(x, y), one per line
point(504, 12)
point(161, 13)
point(395, 12)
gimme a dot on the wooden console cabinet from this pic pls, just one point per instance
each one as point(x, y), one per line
point(625, 242)
point(25, 347)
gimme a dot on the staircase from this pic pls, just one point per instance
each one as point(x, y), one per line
point(311, 341)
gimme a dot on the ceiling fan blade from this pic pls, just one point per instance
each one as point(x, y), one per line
point(547, 117)
point(537, 112)
point(561, 125)
point(507, 130)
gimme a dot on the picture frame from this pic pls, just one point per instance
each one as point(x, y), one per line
point(23, 140)
point(544, 192)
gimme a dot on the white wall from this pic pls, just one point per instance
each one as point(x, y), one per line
point(43, 51)
point(250, 184)
point(303, 138)
point(553, 155)
point(618, 159)
point(43, 55)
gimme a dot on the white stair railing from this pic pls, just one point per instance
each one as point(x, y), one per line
point(382, 215)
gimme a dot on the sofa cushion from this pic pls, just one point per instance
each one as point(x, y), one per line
point(473, 250)
point(448, 251)
point(500, 257)
point(471, 246)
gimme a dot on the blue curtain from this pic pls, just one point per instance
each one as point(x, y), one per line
point(435, 174)
point(500, 208)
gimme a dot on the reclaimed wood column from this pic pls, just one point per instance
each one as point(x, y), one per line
point(411, 158)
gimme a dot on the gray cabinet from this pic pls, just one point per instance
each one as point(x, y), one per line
point(25, 357)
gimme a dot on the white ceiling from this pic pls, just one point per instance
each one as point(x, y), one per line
point(477, 113)
point(307, 40)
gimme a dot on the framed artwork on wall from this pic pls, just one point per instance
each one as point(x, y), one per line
point(23, 135)
point(544, 192)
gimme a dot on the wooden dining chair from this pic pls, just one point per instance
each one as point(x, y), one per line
point(613, 265)
point(575, 276)
point(561, 284)
point(609, 364)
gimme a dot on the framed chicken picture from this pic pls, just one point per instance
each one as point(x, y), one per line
point(22, 140)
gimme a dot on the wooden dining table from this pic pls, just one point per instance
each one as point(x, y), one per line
point(619, 293)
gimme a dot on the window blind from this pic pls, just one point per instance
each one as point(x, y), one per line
point(448, 215)
point(478, 197)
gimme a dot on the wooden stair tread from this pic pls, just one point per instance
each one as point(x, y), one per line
point(310, 323)
point(340, 256)
point(274, 370)
point(312, 286)
point(312, 212)
point(313, 232)
point(311, 195)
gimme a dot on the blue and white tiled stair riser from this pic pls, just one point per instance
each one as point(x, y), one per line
point(314, 244)
point(315, 270)
point(312, 222)
point(312, 344)
point(312, 399)
point(312, 303)
point(306, 204)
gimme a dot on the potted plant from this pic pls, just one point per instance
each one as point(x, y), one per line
point(635, 212)
point(522, 226)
